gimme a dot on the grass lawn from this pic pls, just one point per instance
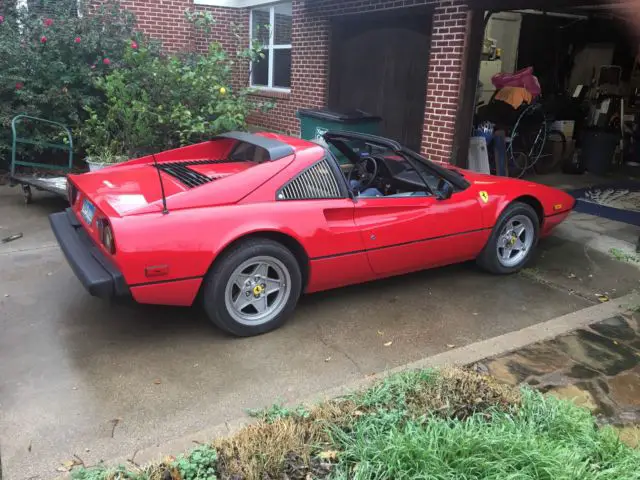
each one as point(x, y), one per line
point(421, 424)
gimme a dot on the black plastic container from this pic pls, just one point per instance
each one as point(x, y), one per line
point(597, 149)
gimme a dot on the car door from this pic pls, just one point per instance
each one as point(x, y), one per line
point(403, 234)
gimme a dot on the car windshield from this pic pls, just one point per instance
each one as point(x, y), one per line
point(351, 150)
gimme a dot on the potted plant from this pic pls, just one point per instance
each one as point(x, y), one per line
point(102, 146)
point(103, 159)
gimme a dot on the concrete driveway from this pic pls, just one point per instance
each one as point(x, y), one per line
point(81, 376)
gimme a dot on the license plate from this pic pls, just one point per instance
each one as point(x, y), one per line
point(88, 211)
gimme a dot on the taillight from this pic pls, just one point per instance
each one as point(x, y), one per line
point(72, 193)
point(105, 232)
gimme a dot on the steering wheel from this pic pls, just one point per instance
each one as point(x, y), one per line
point(362, 173)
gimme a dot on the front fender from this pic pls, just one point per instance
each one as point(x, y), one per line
point(502, 192)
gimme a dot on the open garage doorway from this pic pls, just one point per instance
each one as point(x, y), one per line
point(379, 65)
point(585, 60)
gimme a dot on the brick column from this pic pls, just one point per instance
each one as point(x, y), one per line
point(444, 79)
point(310, 62)
point(165, 21)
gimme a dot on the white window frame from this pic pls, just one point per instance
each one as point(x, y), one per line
point(270, 47)
point(23, 4)
point(232, 3)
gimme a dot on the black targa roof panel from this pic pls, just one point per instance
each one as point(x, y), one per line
point(275, 148)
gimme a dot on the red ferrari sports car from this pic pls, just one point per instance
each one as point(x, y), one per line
point(246, 223)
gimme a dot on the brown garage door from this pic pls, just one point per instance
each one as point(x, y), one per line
point(379, 64)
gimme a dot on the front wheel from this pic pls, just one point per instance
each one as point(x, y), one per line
point(512, 240)
point(252, 288)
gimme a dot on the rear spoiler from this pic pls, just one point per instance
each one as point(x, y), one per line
point(275, 148)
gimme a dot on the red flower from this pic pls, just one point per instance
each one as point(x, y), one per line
point(19, 86)
point(134, 45)
point(1, 19)
point(48, 22)
point(78, 40)
point(106, 61)
point(43, 39)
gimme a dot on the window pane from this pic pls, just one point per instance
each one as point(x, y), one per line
point(260, 21)
point(282, 67)
point(50, 7)
point(282, 29)
point(260, 71)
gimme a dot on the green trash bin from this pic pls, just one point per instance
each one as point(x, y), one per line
point(314, 123)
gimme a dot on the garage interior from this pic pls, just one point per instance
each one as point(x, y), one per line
point(580, 130)
point(586, 63)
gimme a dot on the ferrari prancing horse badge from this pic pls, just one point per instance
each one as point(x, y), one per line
point(484, 196)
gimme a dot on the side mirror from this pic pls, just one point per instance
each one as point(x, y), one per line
point(445, 190)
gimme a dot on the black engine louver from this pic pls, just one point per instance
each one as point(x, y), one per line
point(182, 172)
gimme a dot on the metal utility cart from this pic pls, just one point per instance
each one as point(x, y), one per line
point(31, 177)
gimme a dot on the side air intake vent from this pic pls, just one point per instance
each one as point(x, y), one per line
point(318, 181)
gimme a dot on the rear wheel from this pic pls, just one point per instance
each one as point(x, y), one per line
point(512, 240)
point(252, 288)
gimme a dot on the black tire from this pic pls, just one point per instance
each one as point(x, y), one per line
point(215, 284)
point(488, 258)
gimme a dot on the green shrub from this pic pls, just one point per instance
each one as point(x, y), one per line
point(154, 103)
point(49, 62)
point(114, 88)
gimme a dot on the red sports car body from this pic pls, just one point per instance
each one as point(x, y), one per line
point(310, 217)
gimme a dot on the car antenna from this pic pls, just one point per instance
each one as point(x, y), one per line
point(165, 210)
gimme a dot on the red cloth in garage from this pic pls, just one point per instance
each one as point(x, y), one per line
point(522, 78)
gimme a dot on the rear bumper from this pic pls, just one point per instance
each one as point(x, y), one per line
point(95, 271)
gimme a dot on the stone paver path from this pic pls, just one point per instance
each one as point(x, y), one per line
point(597, 367)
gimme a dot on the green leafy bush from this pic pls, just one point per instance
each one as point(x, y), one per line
point(49, 61)
point(118, 92)
point(154, 102)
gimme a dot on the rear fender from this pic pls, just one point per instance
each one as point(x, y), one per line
point(186, 241)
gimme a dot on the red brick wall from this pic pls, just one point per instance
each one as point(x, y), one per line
point(443, 84)
point(164, 20)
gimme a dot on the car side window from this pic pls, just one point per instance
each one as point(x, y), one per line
point(316, 182)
